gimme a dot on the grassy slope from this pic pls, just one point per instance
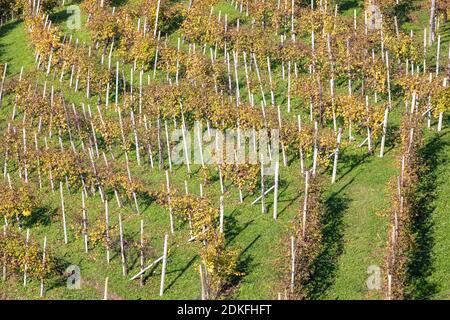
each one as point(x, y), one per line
point(356, 234)
point(365, 231)
point(438, 281)
point(14, 49)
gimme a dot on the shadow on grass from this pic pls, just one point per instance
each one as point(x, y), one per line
point(403, 10)
point(4, 30)
point(60, 278)
point(345, 5)
point(181, 272)
point(325, 266)
point(244, 265)
point(352, 161)
point(43, 216)
point(60, 16)
point(421, 265)
point(146, 200)
point(283, 185)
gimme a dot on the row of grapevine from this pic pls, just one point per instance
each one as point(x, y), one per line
point(226, 75)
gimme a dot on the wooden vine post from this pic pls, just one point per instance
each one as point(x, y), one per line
point(122, 248)
point(27, 240)
point(172, 230)
point(107, 240)
point(164, 263)
point(43, 267)
point(336, 155)
point(63, 212)
point(2, 84)
point(141, 254)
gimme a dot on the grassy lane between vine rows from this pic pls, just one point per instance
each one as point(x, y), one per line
point(355, 232)
point(258, 235)
point(436, 228)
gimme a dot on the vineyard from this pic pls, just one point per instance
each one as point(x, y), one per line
point(224, 149)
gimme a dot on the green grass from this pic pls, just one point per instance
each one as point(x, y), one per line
point(364, 226)
point(355, 232)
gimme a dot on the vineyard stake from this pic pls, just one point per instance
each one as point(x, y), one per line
point(259, 80)
point(163, 273)
point(275, 193)
point(289, 88)
point(263, 205)
point(202, 282)
point(149, 147)
point(247, 81)
point(168, 145)
point(292, 264)
point(85, 234)
point(43, 267)
point(168, 200)
point(438, 55)
point(186, 189)
point(141, 253)
point(302, 157)
point(122, 248)
point(369, 131)
point(227, 62)
point(156, 20)
point(2, 84)
point(141, 73)
point(160, 157)
point(199, 141)
point(4, 254)
point(147, 267)
point(441, 114)
point(336, 156)
point(332, 104)
point(136, 140)
point(107, 230)
point(186, 153)
point(221, 214)
point(389, 286)
point(105, 293)
point(117, 84)
point(383, 137)
point(305, 203)
point(265, 193)
point(63, 212)
point(315, 154)
point(222, 187)
point(235, 62)
point(156, 55)
point(27, 239)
